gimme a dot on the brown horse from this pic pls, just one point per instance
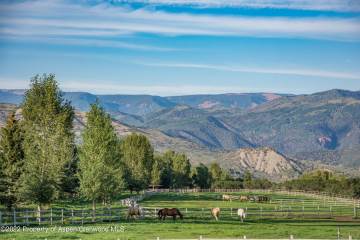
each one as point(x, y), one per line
point(162, 213)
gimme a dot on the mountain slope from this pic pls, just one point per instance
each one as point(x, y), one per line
point(198, 126)
point(323, 126)
point(262, 162)
point(225, 101)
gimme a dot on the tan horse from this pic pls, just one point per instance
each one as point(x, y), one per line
point(244, 198)
point(216, 213)
point(226, 197)
point(134, 212)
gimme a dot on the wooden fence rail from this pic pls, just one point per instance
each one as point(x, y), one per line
point(317, 195)
point(83, 216)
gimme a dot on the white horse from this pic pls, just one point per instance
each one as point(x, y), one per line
point(216, 213)
point(241, 213)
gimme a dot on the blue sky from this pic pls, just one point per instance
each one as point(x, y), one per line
point(177, 47)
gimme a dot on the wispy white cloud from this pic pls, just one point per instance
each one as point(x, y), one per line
point(62, 18)
point(87, 43)
point(317, 5)
point(287, 71)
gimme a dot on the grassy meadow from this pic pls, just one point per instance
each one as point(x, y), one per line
point(198, 221)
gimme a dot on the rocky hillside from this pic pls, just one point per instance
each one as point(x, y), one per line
point(261, 161)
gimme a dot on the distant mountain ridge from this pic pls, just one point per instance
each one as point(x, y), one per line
point(321, 127)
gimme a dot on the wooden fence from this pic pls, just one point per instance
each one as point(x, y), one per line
point(83, 216)
point(320, 207)
point(335, 199)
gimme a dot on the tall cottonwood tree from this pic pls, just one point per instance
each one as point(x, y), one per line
point(100, 166)
point(48, 140)
point(181, 169)
point(11, 160)
point(138, 157)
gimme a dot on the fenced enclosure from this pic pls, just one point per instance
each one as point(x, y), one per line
point(288, 205)
point(84, 216)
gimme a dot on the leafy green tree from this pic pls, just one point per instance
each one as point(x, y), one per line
point(201, 176)
point(11, 160)
point(157, 171)
point(216, 171)
point(100, 166)
point(48, 140)
point(180, 170)
point(248, 181)
point(138, 158)
point(167, 172)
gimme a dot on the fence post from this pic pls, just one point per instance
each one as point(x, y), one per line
point(303, 210)
point(0, 218)
point(72, 216)
point(355, 212)
point(330, 211)
point(14, 217)
point(82, 216)
point(51, 216)
point(62, 216)
point(231, 212)
point(26, 217)
point(318, 211)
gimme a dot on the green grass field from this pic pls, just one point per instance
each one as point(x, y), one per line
point(198, 221)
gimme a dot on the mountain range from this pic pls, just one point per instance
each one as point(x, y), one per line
point(287, 133)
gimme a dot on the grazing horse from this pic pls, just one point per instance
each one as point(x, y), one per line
point(244, 198)
point(226, 197)
point(264, 199)
point(162, 213)
point(216, 213)
point(135, 211)
point(241, 213)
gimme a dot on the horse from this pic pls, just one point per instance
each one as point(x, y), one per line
point(134, 211)
point(241, 213)
point(264, 199)
point(216, 213)
point(226, 197)
point(244, 198)
point(162, 213)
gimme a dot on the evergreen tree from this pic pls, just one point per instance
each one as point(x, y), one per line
point(138, 158)
point(100, 166)
point(11, 160)
point(48, 140)
point(70, 182)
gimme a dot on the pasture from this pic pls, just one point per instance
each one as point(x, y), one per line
point(282, 216)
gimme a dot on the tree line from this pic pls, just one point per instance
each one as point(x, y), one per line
point(40, 162)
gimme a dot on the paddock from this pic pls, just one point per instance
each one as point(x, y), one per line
point(284, 214)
